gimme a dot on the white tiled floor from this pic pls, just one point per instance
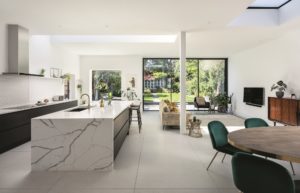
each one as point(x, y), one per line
point(154, 161)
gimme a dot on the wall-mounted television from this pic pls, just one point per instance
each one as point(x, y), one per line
point(254, 96)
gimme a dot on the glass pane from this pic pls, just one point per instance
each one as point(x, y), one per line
point(162, 80)
point(191, 80)
point(111, 78)
point(158, 82)
point(211, 77)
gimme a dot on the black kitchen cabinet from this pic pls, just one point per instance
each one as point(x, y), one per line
point(15, 127)
point(121, 129)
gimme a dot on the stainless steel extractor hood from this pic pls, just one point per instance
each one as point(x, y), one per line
point(18, 51)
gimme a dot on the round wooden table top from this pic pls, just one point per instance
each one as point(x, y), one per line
point(277, 142)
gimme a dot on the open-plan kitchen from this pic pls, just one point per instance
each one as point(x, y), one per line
point(161, 96)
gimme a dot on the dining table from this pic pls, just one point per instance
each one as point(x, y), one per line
point(280, 142)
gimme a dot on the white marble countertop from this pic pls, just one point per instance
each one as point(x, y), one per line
point(3, 109)
point(107, 112)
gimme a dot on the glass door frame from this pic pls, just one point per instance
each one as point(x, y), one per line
point(164, 58)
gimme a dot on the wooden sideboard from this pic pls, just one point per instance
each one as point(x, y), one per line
point(284, 110)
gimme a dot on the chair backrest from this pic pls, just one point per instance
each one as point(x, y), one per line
point(218, 134)
point(199, 100)
point(252, 174)
point(255, 122)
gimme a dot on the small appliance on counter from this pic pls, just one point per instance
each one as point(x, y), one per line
point(40, 103)
point(58, 98)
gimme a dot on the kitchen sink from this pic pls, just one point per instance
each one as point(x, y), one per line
point(78, 109)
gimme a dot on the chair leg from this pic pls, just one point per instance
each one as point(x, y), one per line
point(224, 157)
point(292, 168)
point(130, 117)
point(212, 160)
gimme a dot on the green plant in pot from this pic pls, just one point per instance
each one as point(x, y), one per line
point(42, 72)
point(280, 86)
point(130, 94)
point(66, 76)
point(222, 101)
point(79, 86)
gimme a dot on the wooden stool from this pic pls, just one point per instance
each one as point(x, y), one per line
point(138, 118)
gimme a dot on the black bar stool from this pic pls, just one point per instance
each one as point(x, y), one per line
point(138, 118)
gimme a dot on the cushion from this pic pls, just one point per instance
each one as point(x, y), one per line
point(166, 109)
point(166, 101)
point(173, 107)
point(200, 100)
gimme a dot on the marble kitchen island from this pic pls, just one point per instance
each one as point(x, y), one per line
point(79, 141)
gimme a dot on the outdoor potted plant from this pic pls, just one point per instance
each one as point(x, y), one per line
point(280, 86)
point(222, 101)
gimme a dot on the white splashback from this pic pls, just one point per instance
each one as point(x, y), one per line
point(17, 90)
point(44, 88)
point(14, 90)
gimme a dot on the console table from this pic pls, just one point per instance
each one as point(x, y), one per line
point(284, 110)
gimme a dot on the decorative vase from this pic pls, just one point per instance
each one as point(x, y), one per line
point(101, 102)
point(279, 94)
point(109, 98)
point(222, 109)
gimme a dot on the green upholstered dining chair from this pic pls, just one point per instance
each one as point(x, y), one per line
point(255, 122)
point(252, 174)
point(218, 135)
point(258, 122)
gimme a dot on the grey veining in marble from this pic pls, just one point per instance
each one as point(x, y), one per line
point(72, 145)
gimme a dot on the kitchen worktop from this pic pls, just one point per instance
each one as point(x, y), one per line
point(79, 141)
point(107, 112)
point(4, 110)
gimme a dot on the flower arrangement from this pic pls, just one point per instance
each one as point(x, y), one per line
point(102, 87)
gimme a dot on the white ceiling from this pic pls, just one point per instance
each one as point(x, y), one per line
point(209, 43)
point(206, 22)
point(79, 17)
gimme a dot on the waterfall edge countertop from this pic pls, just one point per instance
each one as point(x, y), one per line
point(107, 112)
point(77, 141)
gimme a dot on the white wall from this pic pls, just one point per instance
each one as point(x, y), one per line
point(262, 66)
point(42, 54)
point(130, 66)
point(14, 90)
point(45, 54)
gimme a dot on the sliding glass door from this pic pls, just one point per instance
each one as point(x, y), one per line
point(205, 77)
point(159, 82)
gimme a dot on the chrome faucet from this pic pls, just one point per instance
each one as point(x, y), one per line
point(89, 99)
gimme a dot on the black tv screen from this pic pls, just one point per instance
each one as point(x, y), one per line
point(254, 96)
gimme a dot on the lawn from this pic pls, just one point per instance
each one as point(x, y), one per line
point(162, 96)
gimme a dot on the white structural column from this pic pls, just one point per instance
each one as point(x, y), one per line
point(182, 54)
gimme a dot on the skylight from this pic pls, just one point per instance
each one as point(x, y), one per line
point(269, 3)
point(113, 38)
